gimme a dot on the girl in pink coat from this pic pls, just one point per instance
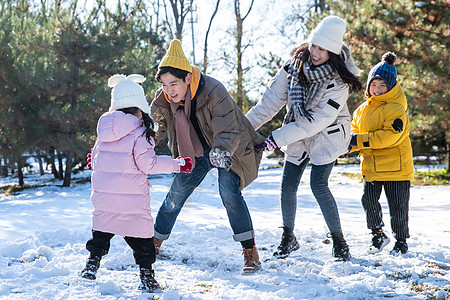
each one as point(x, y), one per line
point(122, 158)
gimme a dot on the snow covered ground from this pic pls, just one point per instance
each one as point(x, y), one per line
point(44, 230)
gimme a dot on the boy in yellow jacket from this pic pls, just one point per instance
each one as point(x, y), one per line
point(380, 131)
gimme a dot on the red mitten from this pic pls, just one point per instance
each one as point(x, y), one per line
point(89, 159)
point(185, 164)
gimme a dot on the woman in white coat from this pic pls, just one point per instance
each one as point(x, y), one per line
point(314, 86)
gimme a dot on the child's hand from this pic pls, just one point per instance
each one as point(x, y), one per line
point(185, 164)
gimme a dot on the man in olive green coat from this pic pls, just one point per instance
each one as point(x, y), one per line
point(203, 122)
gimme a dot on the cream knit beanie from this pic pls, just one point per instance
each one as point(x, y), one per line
point(329, 34)
point(127, 92)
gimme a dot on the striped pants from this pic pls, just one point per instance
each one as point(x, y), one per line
point(397, 194)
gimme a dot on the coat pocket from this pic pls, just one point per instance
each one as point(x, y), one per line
point(387, 160)
point(330, 142)
point(294, 149)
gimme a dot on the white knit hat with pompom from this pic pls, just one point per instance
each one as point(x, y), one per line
point(127, 92)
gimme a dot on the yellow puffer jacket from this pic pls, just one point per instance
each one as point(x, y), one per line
point(383, 137)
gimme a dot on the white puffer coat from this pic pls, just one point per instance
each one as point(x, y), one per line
point(324, 139)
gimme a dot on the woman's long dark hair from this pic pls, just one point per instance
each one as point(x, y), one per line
point(148, 122)
point(336, 61)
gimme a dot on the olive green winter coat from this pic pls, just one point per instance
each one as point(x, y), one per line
point(222, 124)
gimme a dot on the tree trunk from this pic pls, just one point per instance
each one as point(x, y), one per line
point(179, 14)
point(19, 170)
point(448, 158)
point(60, 165)
point(71, 136)
point(319, 5)
point(52, 163)
point(41, 165)
point(447, 143)
point(5, 167)
point(239, 83)
point(68, 173)
point(239, 52)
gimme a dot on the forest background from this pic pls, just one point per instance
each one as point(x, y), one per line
point(56, 57)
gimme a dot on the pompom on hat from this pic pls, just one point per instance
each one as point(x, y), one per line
point(329, 34)
point(175, 58)
point(127, 92)
point(385, 70)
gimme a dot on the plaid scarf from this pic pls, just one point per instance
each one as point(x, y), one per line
point(305, 98)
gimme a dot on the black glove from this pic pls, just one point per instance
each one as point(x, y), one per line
point(398, 125)
point(354, 140)
point(220, 159)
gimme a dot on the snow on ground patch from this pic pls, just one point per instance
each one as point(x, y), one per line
point(44, 231)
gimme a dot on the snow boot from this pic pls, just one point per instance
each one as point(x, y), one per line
point(157, 244)
point(400, 247)
point(288, 243)
point(379, 241)
point(251, 261)
point(92, 265)
point(148, 281)
point(340, 248)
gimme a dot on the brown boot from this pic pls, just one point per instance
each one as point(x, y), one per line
point(251, 261)
point(157, 245)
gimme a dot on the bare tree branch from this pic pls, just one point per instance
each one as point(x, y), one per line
point(249, 9)
point(180, 9)
point(205, 50)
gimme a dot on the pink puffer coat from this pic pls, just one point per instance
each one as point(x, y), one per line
point(122, 158)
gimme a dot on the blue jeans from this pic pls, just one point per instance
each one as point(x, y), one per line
point(319, 186)
point(182, 187)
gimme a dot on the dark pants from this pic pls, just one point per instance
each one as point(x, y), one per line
point(143, 249)
point(397, 194)
point(319, 186)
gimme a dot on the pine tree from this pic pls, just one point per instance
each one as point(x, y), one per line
point(55, 64)
point(88, 52)
point(17, 110)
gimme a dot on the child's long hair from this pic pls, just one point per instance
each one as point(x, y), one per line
point(149, 124)
point(336, 61)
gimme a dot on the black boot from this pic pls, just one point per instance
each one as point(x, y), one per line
point(379, 241)
point(148, 281)
point(288, 243)
point(400, 247)
point(92, 265)
point(340, 247)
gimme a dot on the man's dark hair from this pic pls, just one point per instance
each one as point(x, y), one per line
point(174, 71)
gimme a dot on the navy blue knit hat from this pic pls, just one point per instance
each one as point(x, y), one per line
point(385, 70)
